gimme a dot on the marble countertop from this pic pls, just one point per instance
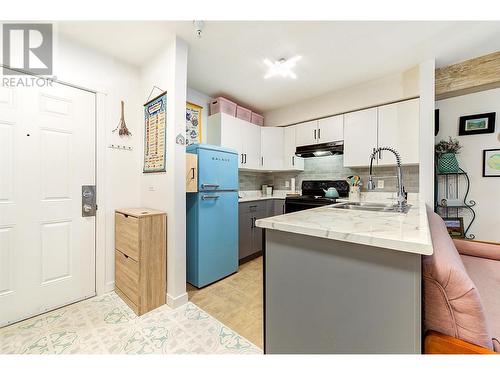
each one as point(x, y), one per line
point(256, 195)
point(391, 230)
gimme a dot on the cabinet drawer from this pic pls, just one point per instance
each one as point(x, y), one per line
point(255, 206)
point(127, 276)
point(127, 235)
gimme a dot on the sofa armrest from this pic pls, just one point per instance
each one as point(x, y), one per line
point(480, 249)
point(439, 343)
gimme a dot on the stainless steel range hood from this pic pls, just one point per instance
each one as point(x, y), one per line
point(321, 149)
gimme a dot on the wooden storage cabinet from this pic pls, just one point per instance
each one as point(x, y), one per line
point(191, 173)
point(141, 258)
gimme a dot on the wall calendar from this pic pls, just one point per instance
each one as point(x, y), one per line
point(155, 115)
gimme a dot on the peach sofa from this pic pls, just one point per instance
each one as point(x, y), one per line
point(461, 293)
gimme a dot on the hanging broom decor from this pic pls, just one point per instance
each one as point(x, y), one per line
point(122, 127)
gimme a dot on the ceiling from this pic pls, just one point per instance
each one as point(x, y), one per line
point(228, 58)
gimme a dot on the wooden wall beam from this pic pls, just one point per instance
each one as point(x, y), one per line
point(478, 74)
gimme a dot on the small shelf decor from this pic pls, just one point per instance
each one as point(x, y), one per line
point(446, 156)
point(449, 205)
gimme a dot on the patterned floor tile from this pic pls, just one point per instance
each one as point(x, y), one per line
point(106, 325)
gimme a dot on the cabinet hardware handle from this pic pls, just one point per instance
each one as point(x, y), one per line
point(192, 176)
point(242, 158)
point(251, 222)
point(245, 158)
point(293, 160)
point(380, 154)
point(262, 160)
point(319, 133)
point(205, 197)
point(215, 186)
point(314, 133)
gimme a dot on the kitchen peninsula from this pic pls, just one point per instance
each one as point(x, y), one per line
point(344, 279)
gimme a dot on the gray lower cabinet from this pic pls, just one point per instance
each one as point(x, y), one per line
point(279, 206)
point(250, 237)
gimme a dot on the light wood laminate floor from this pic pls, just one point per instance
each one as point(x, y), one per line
point(236, 301)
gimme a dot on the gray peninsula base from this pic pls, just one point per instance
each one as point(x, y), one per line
point(329, 296)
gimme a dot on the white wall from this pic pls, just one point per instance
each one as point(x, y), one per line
point(202, 100)
point(426, 132)
point(380, 91)
point(484, 190)
point(120, 173)
point(166, 191)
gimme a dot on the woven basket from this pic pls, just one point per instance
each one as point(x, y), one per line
point(448, 163)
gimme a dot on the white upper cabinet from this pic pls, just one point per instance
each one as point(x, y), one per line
point(230, 137)
point(272, 148)
point(394, 125)
point(251, 145)
point(290, 160)
point(331, 129)
point(306, 133)
point(360, 137)
point(231, 132)
point(398, 127)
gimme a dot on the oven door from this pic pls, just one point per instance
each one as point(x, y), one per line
point(296, 205)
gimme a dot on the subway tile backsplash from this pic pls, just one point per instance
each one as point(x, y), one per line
point(330, 168)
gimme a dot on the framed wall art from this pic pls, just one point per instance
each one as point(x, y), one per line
point(455, 226)
point(193, 123)
point(491, 162)
point(477, 124)
point(155, 134)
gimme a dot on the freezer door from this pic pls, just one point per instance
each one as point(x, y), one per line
point(217, 236)
point(217, 170)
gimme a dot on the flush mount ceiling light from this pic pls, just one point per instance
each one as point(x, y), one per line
point(281, 67)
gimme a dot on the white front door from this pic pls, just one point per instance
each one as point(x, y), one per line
point(47, 152)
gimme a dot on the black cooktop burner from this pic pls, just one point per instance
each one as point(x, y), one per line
point(313, 194)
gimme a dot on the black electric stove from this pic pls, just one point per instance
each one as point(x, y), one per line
point(314, 196)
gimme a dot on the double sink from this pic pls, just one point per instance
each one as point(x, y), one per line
point(369, 206)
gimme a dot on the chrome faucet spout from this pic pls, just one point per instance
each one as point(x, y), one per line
point(402, 194)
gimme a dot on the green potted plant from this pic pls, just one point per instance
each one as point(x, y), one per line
point(446, 156)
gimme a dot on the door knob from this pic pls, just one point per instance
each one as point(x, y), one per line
point(87, 208)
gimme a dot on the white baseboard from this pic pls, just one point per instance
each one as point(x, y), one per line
point(108, 287)
point(178, 301)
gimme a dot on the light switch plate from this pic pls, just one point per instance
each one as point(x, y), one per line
point(380, 184)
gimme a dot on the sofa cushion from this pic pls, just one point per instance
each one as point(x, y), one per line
point(452, 304)
point(486, 250)
point(485, 273)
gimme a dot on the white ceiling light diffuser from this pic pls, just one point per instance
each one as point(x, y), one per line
point(281, 67)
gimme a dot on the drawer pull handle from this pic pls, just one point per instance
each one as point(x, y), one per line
point(205, 197)
point(125, 255)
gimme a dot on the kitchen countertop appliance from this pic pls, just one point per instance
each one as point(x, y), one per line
point(313, 194)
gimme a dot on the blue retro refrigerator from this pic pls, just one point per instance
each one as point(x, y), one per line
point(212, 216)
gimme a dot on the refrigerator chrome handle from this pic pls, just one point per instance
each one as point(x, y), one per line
point(215, 186)
point(205, 197)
